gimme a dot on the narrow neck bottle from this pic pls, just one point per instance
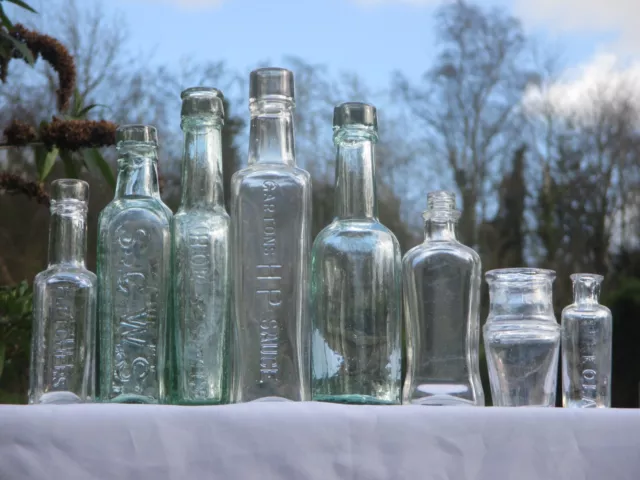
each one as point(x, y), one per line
point(68, 227)
point(355, 196)
point(441, 217)
point(271, 132)
point(202, 165)
point(137, 170)
point(586, 289)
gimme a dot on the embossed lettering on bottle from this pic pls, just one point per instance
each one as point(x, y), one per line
point(64, 338)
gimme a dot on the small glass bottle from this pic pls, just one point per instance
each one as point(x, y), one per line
point(441, 289)
point(522, 337)
point(271, 230)
point(63, 340)
point(356, 278)
point(586, 346)
point(134, 250)
point(200, 238)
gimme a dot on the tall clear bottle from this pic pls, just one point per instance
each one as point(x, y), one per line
point(441, 290)
point(586, 346)
point(134, 250)
point(63, 340)
point(356, 278)
point(271, 220)
point(200, 239)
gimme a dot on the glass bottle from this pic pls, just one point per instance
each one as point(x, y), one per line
point(271, 220)
point(586, 346)
point(522, 337)
point(134, 250)
point(356, 278)
point(441, 290)
point(63, 340)
point(200, 239)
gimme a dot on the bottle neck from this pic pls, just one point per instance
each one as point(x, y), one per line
point(138, 173)
point(271, 133)
point(68, 233)
point(586, 292)
point(202, 167)
point(440, 230)
point(355, 195)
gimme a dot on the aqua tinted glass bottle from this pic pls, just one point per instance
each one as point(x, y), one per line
point(200, 239)
point(356, 278)
point(64, 328)
point(586, 346)
point(134, 250)
point(441, 290)
point(271, 220)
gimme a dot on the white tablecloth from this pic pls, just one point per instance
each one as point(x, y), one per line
point(309, 441)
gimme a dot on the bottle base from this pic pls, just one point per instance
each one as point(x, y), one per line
point(353, 399)
point(441, 401)
point(58, 398)
point(133, 399)
point(195, 403)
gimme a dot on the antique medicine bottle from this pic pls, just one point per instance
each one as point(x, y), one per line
point(271, 220)
point(134, 250)
point(356, 278)
point(586, 346)
point(64, 305)
point(200, 239)
point(441, 292)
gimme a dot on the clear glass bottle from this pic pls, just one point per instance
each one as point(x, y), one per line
point(586, 346)
point(200, 239)
point(271, 220)
point(134, 250)
point(522, 337)
point(356, 278)
point(63, 340)
point(441, 290)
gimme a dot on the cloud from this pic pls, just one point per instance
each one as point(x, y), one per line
point(594, 16)
point(605, 78)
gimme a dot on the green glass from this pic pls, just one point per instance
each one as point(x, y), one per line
point(200, 241)
point(134, 251)
point(356, 279)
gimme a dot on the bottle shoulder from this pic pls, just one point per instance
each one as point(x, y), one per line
point(352, 234)
point(575, 312)
point(451, 252)
point(270, 170)
point(66, 274)
point(119, 209)
point(200, 215)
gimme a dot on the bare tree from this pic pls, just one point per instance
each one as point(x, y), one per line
point(469, 101)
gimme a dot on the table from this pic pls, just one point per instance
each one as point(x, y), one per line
point(314, 441)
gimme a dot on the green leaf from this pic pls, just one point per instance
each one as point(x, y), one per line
point(21, 47)
point(83, 113)
point(3, 348)
point(78, 100)
point(70, 169)
point(95, 162)
point(40, 152)
point(5, 20)
point(49, 161)
point(20, 3)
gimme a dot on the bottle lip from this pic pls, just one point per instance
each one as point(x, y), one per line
point(441, 205)
point(202, 102)
point(356, 114)
point(69, 190)
point(576, 277)
point(136, 135)
point(271, 84)
point(520, 275)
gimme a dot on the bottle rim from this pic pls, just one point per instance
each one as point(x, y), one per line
point(520, 275)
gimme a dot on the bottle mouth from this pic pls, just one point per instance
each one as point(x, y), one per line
point(136, 135)
point(520, 275)
point(69, 190)
point(202, 102)
point(441, 206)
point(271, 84)
point(586, 278)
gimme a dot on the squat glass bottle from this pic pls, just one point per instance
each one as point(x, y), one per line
point(200, 231)
point(356, 278)
point(134, 250)
point(64, 305)
point(586, 346)
point(441, 290)
point(271, 220)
